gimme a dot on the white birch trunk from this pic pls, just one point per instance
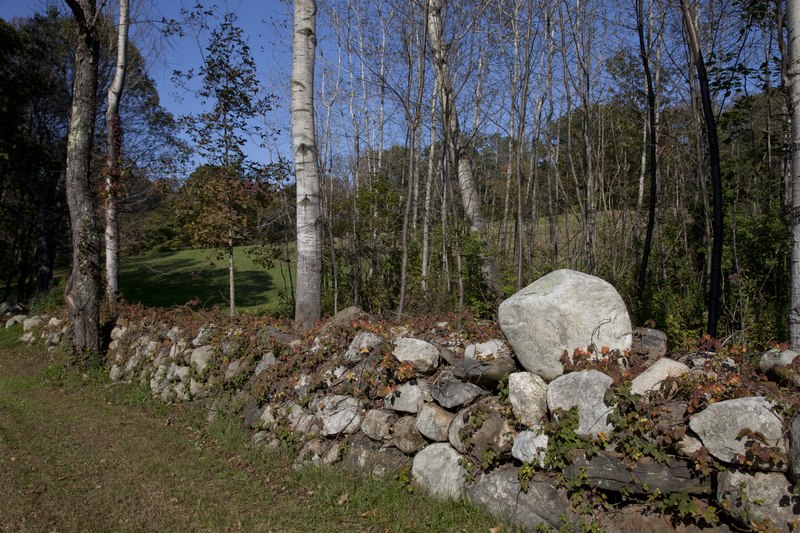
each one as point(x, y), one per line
point(309, 239)
point(113, 155)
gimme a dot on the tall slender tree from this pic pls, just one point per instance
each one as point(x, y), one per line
point(304, 144)
point(709, 118)
point(82, 290)
point(113, 156)
point(792, 82)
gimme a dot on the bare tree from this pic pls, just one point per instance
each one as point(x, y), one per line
point(82, 290)
point(792, 82)
point(113, 156)
point(309, 238)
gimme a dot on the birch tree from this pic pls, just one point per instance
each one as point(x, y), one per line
point(83, 287)
point(113, 156)
point(304, 145)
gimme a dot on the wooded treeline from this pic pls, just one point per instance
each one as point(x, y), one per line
point(464, 150)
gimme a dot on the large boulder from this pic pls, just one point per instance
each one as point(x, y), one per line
point(720, 424)
point(561, 311)
point(438, 469)
point(541, 505)
point(585, 390)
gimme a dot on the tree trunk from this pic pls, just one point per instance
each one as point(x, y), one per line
point(792, 84)
point(309, 240)
point(456, 150)
point(231, 286)
point(82, 291)
point(113, 156)
point(693, 41)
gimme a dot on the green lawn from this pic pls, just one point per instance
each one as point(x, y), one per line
point(168, 279)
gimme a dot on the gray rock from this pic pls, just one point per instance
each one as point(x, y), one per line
point(7, 308)
point(612, 471)
point(318, 452)
point(54, 339)
point(424, 356)
point(530, 447)
point(339, 414)
point(561, 311)
point(196, 389)
point(485, 372)
point(451, 393)
point(482, 427)
point(719, 424)
point(266, 361)
point(201, 357)
point(115, 374)
point(177, 373)
point(651, 343)
point(487, 350)
point(364, 456)
point(688, 445)
point(345, 318)
point(406, 437)
point(651, 379)
point(500, 493)
point(585, 390)
point(433, 422)
point(527, 393)
point(233, 369)
point(408, 397)
point(14, 320)
point(437, 469)
point(774, 358)
point(118, 332)
point(202, 336)
point(26, 338)
point(361, 346)
point(759, 499)
point(299, 419)
point(378, 423)
point(794, 448)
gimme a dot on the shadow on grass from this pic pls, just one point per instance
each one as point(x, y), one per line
point(171, 281)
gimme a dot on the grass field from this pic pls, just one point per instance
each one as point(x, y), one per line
point(77, 454)
point(173, 278)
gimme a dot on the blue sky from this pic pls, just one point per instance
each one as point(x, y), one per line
point(266, 23)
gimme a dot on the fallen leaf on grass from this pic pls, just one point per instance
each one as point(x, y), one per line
point(343, 499)
point(371, 512)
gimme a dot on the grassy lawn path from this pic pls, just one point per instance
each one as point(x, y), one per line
point(79, 455)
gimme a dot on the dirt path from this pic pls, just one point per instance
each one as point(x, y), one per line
point(77, 455)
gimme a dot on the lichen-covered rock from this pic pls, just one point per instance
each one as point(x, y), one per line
point(530, 447)
point(759, 499)
point(585, 390)
point(774, 358)
point(482, 427)
point(487, 350)
point(364, 456)
point(299, 419)
point(177, 373)
point(318, 452)
point(527, 393)
point(561, 311)
point(406, 437)
point(408, 396)
point(542, 504)
point(14, 320)
point(451, 393)
point(437, 469)
point(115, 374)
point(423, 356)
point(31, 322)
point(378, 424)
point(651, 379)
point(720, 424)
point(360, 346)
point(233, 369)
point(650, 343)
point(485, 372)
point(201, 357)
point(267, 360)
point(339, 414)
point(433, 422)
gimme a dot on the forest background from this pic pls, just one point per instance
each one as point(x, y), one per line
point(551, 104)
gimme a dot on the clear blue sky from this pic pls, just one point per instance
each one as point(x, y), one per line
point(266, 23)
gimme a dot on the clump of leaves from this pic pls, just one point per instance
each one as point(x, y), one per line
point(564, 445)
point(759, 454)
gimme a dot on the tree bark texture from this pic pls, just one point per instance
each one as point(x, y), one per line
point(82, 291)
point(309, 238)
point(793, 87)
point(715, 275)
point(113, 159)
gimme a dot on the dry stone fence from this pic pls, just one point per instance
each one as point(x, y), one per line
point(569, 416)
